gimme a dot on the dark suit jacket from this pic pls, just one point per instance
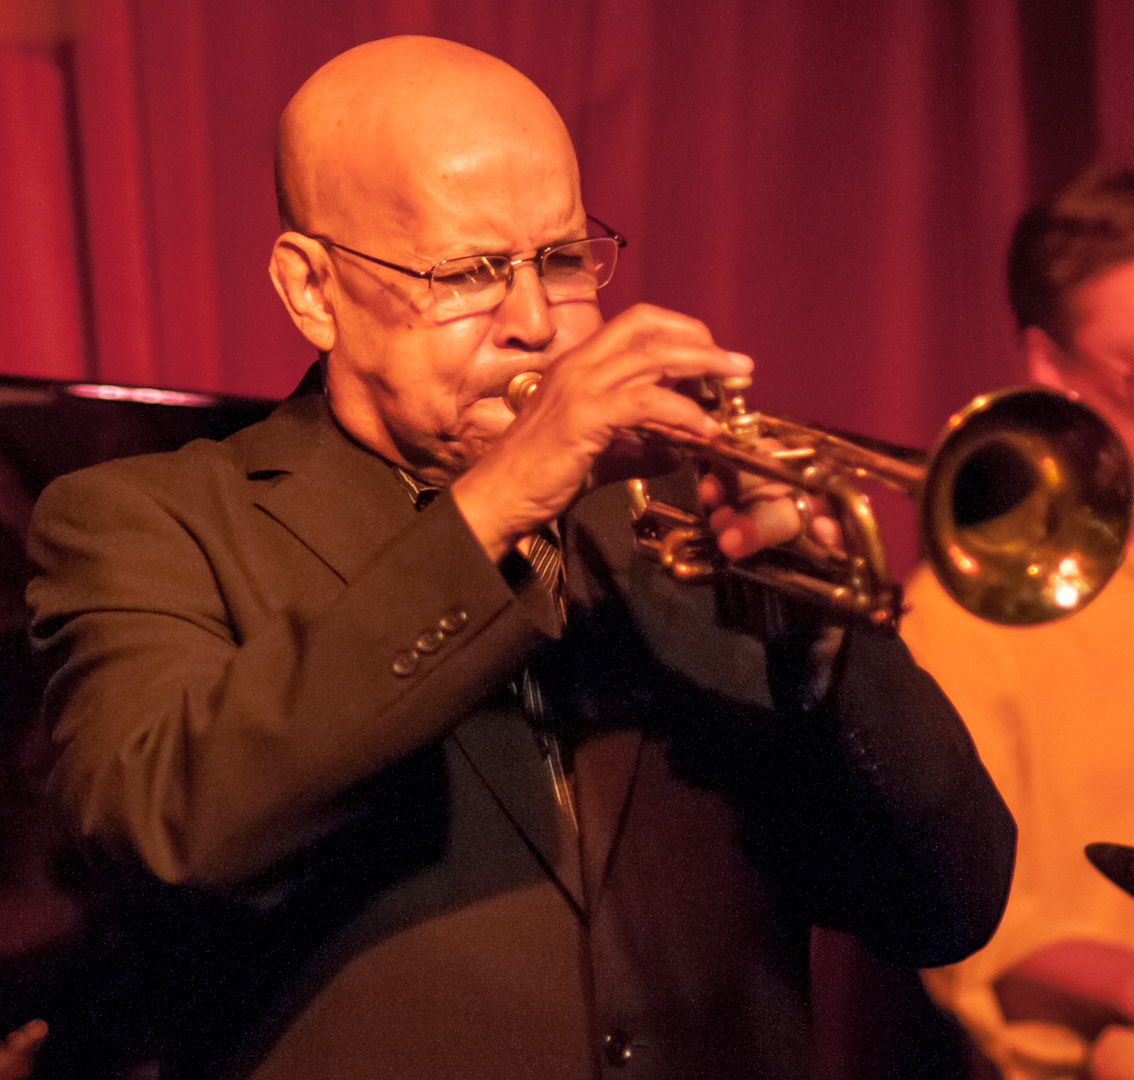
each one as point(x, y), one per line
point(284, 715)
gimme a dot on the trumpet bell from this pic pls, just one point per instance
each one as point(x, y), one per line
point(1026, 506)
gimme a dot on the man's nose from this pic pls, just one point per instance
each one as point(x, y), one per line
point(524, 316)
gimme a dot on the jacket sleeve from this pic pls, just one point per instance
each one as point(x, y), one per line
point(222, 696)
point(869, 809)
point(902, 836)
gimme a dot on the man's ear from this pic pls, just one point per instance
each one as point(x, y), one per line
point(1046, 360)
point(300, 271)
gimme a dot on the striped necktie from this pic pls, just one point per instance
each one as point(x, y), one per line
point(547, 564)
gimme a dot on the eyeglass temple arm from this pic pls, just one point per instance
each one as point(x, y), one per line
point(327, 242)
point(616, 236)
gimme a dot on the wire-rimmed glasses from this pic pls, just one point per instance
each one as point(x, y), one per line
point(475, 283)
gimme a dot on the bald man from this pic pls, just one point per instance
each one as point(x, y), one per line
point(400, 796)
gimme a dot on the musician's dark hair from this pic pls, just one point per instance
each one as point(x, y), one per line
point(1059, 245)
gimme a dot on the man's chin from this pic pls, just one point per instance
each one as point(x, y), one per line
point(492, 416)
point(484, 424)
point(481, 432)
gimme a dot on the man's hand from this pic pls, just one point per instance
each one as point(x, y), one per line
point(591, 398)
point(748, 513)
point(17, 1053)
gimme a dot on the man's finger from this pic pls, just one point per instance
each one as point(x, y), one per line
point(765, 524)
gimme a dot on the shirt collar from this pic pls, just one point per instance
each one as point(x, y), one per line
point(421, 494)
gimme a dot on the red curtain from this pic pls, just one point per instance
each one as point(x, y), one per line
point(829, 186)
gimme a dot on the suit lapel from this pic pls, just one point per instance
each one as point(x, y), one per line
point(605, 768)
point(502, 750)
point(339, 499)
point(598, 553)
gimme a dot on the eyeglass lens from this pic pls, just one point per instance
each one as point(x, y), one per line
point(568, 270)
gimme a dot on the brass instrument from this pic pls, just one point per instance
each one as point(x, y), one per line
point(1024, 505)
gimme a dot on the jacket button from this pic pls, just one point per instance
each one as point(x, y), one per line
point(616, 1048)
point(453, 622)
point(429, 642)
point(405, 663)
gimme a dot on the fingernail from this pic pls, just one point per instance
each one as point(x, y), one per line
point(740, 361)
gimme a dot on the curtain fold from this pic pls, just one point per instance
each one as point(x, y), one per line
point(42, 326)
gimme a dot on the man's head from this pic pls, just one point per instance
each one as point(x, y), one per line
point(417, 150)
point(1071, 285)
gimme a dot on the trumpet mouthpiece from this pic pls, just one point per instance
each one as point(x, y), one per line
point(521, 388)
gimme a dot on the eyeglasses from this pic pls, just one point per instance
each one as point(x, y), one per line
point(475, 283)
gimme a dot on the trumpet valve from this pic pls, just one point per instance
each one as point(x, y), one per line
point(732, 410)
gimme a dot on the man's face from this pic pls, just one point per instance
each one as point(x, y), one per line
point(424, 387)
point(1102, 361)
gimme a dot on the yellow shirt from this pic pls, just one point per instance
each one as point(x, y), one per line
point(1051, 710)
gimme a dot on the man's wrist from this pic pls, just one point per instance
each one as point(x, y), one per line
point(481, 511)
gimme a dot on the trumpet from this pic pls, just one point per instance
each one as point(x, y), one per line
point(1024, 505)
